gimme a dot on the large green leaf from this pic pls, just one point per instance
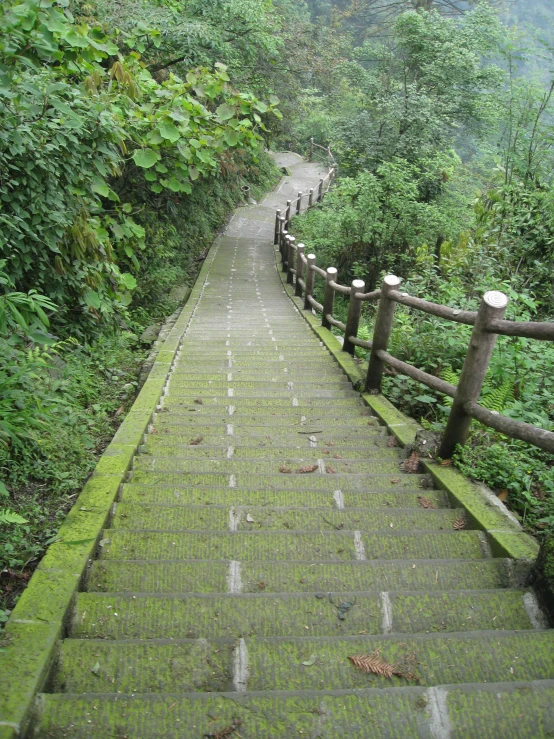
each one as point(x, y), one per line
point(224, 112)
point(146, 158)
point(169, 131)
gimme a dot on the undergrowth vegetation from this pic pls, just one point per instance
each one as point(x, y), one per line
point(442, 131)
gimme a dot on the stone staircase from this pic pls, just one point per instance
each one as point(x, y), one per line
point(266, 534)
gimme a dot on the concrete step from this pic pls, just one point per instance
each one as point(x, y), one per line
point(339, 401)
point(201, 665)
point(316, 422)
point(184, 494)
point(521, 710)
point(222, 434)
point(247, 546)
point(200, 576)
point(276, 466)
point(167, 446)
point(275, 482)
point(253, 518)
point(206, 616)
point(283, 384)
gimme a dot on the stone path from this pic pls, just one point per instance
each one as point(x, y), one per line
point(266, 535)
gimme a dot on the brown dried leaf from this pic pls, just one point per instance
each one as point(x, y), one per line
point(330, 470)
point(411, 464)
point(306, 469)
point(195, 442)
point(337, 456)
point(446, 463)
point(285, 470)
point(425, 502)
point(392, 441)
point(459, 523)
point(199, 401)
point(395, 479)
point(373, 663)
point(224, 733)
point(502, 495)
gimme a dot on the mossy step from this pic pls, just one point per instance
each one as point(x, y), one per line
point(518, 711)
point(145, 616)
point(489, 656)
point(165, 446)
point(200, 495)
point(246, 546)
point(158, 667)
point(277, 466)
point(277, 374)
point(344, 402)
point(282, 383)
point(314, 482)
point(224, 434)
point(188, 362)
point(322, 421)
point(186, 576)
point(254, 518)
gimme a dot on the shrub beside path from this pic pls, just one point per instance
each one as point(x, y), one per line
point(270, 571)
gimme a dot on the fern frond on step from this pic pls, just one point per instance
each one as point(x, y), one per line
point(8, 516)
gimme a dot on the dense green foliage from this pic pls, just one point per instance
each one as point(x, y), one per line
point(444, 141)
point(116, 172)
point(126, 131)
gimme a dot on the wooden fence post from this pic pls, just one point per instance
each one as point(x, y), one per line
point(285, 254)
point(381, 333)
point(320, 191)
point(493, 306)
point(354, 313)
point(277, 227)
point(310, 277)
point(329, 297)
point(299, 270)
point(311, 198)
point(282, 244)
point(287, 213)
point(290, 260)
point(311, 149)
point(298, 203)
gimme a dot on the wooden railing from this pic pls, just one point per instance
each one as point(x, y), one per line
point(488, 323)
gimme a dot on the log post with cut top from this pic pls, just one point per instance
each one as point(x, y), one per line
point(298, 203)
point(354, 313)
point(277, 226)
point(311, 149)
point(329, 297)
point(381, 334)
point(299, 270)
point(310, 277)
point(290, 261)
point(311, 198)
point(493, 307)
point(320, 191)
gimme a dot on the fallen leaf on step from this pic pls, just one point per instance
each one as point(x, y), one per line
point(198, 401)
point(411, 464)
point(96, 669)
point(392, 441)
point(249, 518)
point(425, 502)
point(502, 495)
point(195, 442)
point(395, 479)
point(459, 523)
point(446, 463)
point(310, 662)
point(285, 470)
point(330, 470)
point(308, 468)
point(373, 663)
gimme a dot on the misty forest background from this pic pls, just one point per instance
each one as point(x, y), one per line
point(127, 129)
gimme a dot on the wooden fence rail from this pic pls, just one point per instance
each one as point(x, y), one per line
point(488, 323)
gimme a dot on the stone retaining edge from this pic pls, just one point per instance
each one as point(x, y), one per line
point(483, 509)
point(28, 646)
